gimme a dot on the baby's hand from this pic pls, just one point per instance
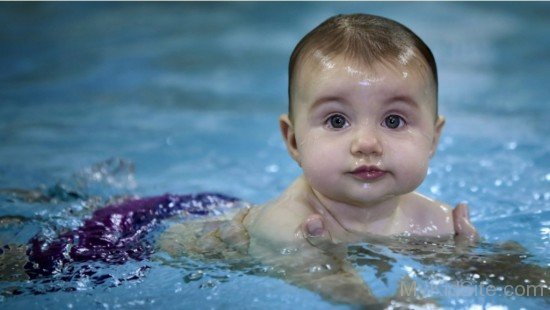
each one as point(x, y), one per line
point(314, 231)
point(464, 230)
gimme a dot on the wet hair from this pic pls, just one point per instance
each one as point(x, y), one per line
point(368, 39)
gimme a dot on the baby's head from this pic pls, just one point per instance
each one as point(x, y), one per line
point(365, 40)
point(363, 120)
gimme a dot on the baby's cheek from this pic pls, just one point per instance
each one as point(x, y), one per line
point(409, 161)
point(315, 165)
point(414, 173)
point(311, 149)
point(320, 164)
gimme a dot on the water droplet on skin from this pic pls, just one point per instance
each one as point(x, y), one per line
point(406, 56)
point(288, 251)
point(353, 72)
point(324, 59)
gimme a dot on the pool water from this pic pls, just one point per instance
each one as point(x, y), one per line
point(102, 100)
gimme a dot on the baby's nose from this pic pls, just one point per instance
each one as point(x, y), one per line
point(366, 142)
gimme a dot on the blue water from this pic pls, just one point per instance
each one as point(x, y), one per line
point(184, 97)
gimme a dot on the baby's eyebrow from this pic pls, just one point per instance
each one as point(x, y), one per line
point(327, 99)
point(335, 99)
point(403, 98)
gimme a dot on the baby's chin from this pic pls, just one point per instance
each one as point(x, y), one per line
point(360, 200)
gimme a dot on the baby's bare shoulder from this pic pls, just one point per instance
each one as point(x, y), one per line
point(276, 225)
point(430, 214)
point(424, 204)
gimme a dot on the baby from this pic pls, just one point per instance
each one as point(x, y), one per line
point(362, 124)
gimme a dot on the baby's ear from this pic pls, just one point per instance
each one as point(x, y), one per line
point(439, 124)
point(287, 130)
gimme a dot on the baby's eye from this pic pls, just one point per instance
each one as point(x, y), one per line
point(393, 121)
point(337, 121)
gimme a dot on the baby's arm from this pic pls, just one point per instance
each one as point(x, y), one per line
point(212, 238)
point(320, 265)
point(340, 284)
point(326, 273)
point(322, 270)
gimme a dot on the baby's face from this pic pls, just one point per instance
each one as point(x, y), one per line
point(364, 135)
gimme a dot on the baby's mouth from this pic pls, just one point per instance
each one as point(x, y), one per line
point(368, 173)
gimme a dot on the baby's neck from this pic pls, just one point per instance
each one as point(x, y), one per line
point(377, 218)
